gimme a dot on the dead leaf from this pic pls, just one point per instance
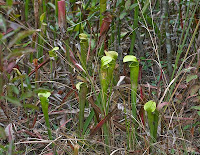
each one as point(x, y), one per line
point(9, 132)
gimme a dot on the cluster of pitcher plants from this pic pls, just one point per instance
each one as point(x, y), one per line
point(95, 62)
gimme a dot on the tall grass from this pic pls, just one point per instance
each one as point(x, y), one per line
point(135, 26)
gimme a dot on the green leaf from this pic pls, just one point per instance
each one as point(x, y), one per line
point(10, 34)
point(195, 89)
point(26, 44)
point(31, 106)
point(88, 121)
point(123, 34)
point(26, 95)
point(13, 100)
point(55, 127)
point(173, 151)
point(186, 127)
point(122, 15)
point(195, 107)
point(105, 60)
point(9, 2)
point(20, 36)
point(2, 23)
point(127, 4)
point(1, 36)
point(19, 52)
point(146, 5)
point(77, 27)
point(28, 81)
point(18, 77)
point(191, 77)
point(150, 106)
point(42, 17)
point(130, 58)
point(15, 89)
point(133, 6)
point(52, 5)
point(118, 2)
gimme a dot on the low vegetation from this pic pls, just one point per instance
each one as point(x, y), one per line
point(99, 77)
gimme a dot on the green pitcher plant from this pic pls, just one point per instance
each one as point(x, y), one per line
point(108, 63)
point(82, 88)
point(134, 72)
point(153, 116)
point(44, 95)
point(53, 57)
point(84, 48)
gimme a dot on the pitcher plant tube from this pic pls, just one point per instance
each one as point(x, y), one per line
point(134, 72)
point(152, 114)
point(108, 63)
point(82, 88)
point(53, 57)
point(43, 95)
point(84, 48)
